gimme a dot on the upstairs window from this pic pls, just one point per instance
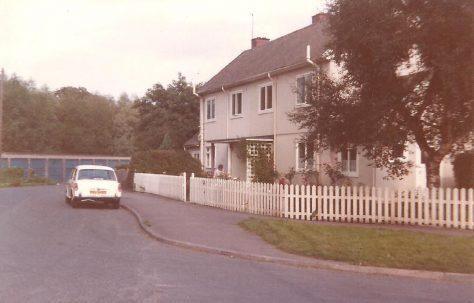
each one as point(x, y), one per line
point(302, 88)
point(236, 104)
point(266, 97)
point(210, 109)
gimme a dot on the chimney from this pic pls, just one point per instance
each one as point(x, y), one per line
point(320, 18)
point(256, 42)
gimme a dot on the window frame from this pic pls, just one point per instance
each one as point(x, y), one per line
point(305, 76)
point(208, 157)
point(233, 111)
point(210, 111)
point(308, 164)
point(265, 86)
point(348, 172)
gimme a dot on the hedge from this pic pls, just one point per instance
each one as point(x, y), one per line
point(169, 162)
point(464, 170)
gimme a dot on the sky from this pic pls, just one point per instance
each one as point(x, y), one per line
point(116, 46)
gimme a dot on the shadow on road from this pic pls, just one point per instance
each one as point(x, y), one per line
point(91, 205)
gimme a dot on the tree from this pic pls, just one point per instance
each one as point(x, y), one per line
point(69, 120)
point(124, 122)
point(167, 117)
point(30, 124)
point(408, 74)
point(87, 121)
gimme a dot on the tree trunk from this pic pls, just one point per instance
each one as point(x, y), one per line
point(433, 178)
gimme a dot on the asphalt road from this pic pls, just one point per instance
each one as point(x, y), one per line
point(50, 252)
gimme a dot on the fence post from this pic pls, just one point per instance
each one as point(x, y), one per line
point(184, 187)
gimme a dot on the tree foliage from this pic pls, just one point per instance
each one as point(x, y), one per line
point(29, 120)
point(70, 120)
point(464, 170)
point(408, 74)
point(167, 117)
point(171, 162)
point(125, 120)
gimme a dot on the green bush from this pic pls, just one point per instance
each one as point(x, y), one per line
point(8, 174)
point(464, 170)
point(264, 171)
point(170, 162)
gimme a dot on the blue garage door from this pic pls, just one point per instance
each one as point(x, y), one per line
point(87, 162)
point(55, 170)
point(70, 164)
point(3, 163)
point(21, 163)
point(101, 162)
point(38, 167)
point(112, 163)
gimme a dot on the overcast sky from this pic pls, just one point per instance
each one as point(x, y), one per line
point(115, 46)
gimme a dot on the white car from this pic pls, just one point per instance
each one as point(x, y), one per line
point(93, 183)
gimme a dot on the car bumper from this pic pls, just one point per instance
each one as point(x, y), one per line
point(97, 199)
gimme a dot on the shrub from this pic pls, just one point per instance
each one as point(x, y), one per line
point(264, 171)
point(464, 170)
point(170, 162)
point(7, 174)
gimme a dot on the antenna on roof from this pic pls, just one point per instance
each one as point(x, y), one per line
point(251, 14)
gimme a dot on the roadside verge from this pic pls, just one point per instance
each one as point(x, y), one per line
point(316, 264)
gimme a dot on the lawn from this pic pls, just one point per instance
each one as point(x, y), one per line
point(14, 177)
point(367, 245)
point(26, 182)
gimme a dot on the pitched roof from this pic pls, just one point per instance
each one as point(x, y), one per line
point(193, 141)
point(280, 54)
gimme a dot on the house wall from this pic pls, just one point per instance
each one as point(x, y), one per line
point(447, 173)
point(416, 178)
point(216, 129)
point(254, 123)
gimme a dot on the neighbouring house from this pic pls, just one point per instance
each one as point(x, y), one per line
point(249, 99)
point(192, 146)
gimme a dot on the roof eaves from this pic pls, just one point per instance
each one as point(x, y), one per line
point(260, 76)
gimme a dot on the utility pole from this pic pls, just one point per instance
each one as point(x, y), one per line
point(2, 77)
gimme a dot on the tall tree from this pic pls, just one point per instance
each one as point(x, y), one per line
point(124, 123)
point(87, 121)
point(408, 76)
point(30, 124)
point(167, 117)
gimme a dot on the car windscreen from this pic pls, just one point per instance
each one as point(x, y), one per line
point(96, 174)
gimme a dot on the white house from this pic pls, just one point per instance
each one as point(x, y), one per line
point(249, 99)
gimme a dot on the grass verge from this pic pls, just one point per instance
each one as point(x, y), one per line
point(368, 246)
point(26, 182)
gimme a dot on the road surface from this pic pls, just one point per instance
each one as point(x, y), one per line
point(50, 252)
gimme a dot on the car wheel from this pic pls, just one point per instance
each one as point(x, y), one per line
point(116, 204)
point(74, 203)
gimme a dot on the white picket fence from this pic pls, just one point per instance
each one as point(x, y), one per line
point(450, 208)
point(164, 185)
point(255, 198)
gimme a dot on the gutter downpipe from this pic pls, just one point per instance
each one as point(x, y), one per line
point(274, 121)
point(229, 158)
point(201, 127)
point(318, 70)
